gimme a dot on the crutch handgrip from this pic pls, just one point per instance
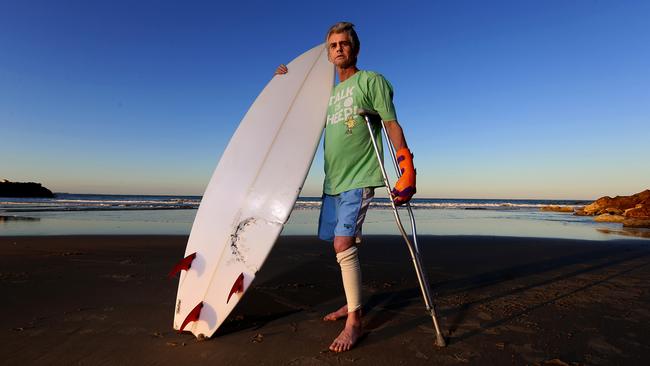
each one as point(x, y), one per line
point(367, 112)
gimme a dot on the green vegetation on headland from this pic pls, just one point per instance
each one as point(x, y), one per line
point(20, 189)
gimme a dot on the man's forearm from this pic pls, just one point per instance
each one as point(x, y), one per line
point(395, 134)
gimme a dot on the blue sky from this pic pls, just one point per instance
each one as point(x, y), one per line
point(510, 99)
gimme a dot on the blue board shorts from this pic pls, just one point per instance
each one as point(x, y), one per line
point(343, 214)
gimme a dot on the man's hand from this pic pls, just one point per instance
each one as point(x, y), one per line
point(281, 70)
point(405, 186)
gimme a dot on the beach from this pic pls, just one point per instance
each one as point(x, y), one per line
point(106, 300)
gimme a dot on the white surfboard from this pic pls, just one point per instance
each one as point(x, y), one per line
point(252, 192)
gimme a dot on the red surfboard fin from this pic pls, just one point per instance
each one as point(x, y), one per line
point(238, 287)
point(192, 316)
point(183, 264)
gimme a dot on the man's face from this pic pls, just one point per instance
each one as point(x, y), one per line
point(340, 51)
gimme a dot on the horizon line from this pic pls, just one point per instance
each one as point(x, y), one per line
point(317, 197)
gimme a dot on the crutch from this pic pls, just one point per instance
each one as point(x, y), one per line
point(412, 246)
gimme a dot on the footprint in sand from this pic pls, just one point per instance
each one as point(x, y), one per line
point(120, 277)
point(528, 353)
point(307, 361)
point(602, 346)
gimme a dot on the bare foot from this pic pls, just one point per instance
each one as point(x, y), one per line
point(342, 312)
point(350, 334)
point(346, 339)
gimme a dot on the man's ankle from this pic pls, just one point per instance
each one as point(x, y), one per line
point(354, 318)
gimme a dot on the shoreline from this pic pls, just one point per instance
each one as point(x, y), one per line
point(511, 223)
point(501, 300)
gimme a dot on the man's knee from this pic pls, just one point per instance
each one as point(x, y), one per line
point(343, 243)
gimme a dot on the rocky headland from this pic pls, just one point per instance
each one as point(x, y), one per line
point(631, 211)
point(21, 189)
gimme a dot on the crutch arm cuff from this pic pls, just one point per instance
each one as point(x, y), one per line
point(366, 112)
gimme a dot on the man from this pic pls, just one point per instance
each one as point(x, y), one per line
point(351, 168)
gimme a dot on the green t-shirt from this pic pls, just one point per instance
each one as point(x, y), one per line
point(350, 160)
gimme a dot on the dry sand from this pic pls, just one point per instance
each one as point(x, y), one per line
point(105, 300)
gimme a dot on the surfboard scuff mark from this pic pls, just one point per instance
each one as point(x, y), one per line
point(238, 249)
point(237, 253)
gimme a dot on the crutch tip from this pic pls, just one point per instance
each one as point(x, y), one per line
point(440, 341)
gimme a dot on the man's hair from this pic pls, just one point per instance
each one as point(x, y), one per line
point(345, 27)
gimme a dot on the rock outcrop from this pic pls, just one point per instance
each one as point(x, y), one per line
point(639, 211)
point(618, 204)
point(633, 222)
point(632, 211)
point(19, 189)
point(557, 208)
point(609, 218)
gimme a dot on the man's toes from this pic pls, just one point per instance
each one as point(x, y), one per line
point(346, 347)
point(340, 346)
point(334, 345)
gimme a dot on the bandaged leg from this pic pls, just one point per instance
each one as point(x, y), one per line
point(351, 273)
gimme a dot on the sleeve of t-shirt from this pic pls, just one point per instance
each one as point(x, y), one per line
point(381, 97)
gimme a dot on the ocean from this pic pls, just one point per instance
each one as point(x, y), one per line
point(95, 214)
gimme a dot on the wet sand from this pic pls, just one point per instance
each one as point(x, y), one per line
point(106, 300)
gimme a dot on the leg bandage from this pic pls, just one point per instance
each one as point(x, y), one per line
point(351, 273)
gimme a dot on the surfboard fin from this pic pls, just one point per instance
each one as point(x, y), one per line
point(192, 316)
point(183, 264)
point(238, 287)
